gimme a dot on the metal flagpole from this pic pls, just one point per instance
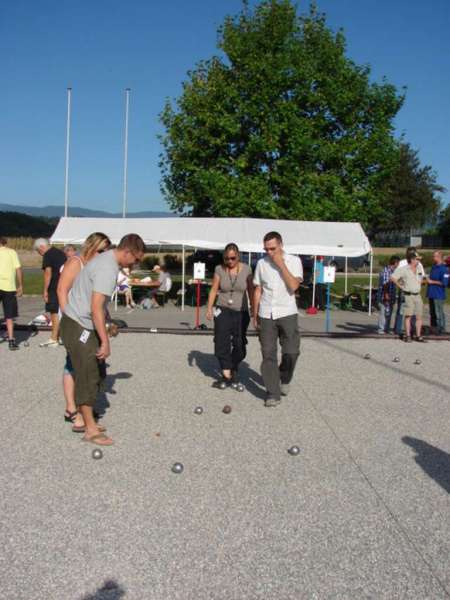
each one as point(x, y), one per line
point(66, 183)
point(125, 158)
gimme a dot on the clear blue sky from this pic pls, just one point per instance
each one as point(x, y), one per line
point(100, 47)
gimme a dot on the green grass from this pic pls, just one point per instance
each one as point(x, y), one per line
point(33, 283)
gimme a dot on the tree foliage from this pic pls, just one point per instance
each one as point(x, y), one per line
point(13, 224)
point(284, 125)
point(411, 194)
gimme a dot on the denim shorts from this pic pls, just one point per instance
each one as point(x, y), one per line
point(68, 368)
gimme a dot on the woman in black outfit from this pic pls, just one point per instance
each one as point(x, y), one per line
point(232, 287)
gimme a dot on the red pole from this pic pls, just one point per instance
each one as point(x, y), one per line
point(197, 319)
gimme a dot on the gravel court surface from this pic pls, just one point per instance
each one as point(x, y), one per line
point(353, 516)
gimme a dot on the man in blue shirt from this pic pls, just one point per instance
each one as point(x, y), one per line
point(437, 282)
point(386, 295)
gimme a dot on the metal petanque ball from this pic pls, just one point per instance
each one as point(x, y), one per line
point(417, 362)
point(239, 387)
point(198, 410)
point(177, 468)
point(294, 450)
point(396, 359)
point(367, 356)
point(97, 454)
point(226, 409)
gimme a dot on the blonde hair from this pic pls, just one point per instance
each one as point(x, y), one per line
point(93, 243)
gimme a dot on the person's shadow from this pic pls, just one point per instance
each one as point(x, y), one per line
point(107, 387)
point(110, 590)
point(435, 462)
point(207, 363)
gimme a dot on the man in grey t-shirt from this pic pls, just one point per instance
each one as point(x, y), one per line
point(83, 326)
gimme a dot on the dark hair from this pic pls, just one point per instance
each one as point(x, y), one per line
point(132, 242)
point(394, 259)
point(410, 255)
point(3, 241)
point(231, 246)
point(273, 235)
point(410, 249)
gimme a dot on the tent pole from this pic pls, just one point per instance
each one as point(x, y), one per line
point(370, 282)
point(314, 283)
point(183, 273)
point(249, 259)
point(346, 272)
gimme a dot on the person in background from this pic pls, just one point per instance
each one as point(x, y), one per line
point(52, 261)
point(409, 279)
point(83, 326)
point(231, 283)
point(95, 244)
point(277, 277)
point(11, 286)
point(320, 284)
point(436, 292)
point(123, 285)
point(386, 295)
point(163, 284)
point(69, 250)
point(398, 326)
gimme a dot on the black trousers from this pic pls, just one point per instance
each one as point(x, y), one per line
point(433, 319)
point(321, 292)
point(230, 330)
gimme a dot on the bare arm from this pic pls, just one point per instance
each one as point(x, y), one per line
point(255, 307)
point(66, 279)
point(98, 317)
point(250, 291)
point(293, 283)
point(47, 277)
point(212, 296)
point(19, 281)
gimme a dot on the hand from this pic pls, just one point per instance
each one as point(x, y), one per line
point(256, 321)
point(45, 294)
point(104, 351)
point(19, 291)
point(277, 257)
point(209, 314)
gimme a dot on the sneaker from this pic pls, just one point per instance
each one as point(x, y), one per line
point(284, 389)
point(12, 344)
point(271, 402)
point(407, 338)
point(222, 383)
point(49, 344)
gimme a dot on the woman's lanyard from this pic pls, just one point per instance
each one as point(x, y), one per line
point(232, 283)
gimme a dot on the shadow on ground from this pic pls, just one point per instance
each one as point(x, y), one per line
point(357, 327)
point(110, 590)
point(107, 387)
point(435, 462)
point(207, 363)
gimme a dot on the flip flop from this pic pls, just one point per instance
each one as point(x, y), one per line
point(69, 416)
point(99, 439)
point(82, 428)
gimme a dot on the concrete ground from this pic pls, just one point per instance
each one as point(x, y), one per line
point(362, 512)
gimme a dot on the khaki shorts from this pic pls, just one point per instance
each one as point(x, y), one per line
point(413, 306)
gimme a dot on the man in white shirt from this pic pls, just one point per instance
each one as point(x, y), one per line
point(398, 327)
point(277, 277)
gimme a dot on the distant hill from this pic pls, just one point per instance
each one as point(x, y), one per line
point(77, 211)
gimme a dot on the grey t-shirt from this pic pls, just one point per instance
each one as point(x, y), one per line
point(99, 275)
point(232, 288)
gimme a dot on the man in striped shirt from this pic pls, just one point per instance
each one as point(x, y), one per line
point(386, 295)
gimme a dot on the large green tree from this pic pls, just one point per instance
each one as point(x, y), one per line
point(410, 195)
point(282, 125)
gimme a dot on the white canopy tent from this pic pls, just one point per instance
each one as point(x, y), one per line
point(313, 238)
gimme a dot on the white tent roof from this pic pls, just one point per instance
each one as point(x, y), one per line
point(299, 237)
